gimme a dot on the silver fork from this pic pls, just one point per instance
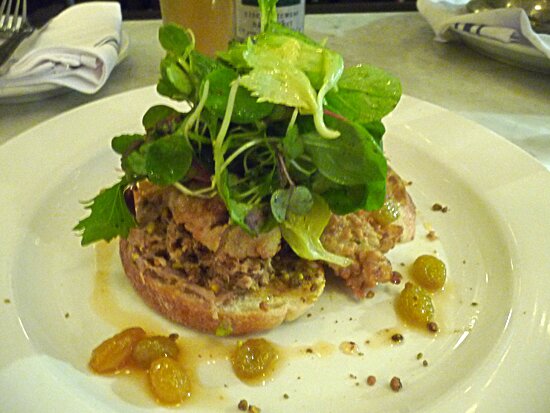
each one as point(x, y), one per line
point(14, 26)
point(12, 18)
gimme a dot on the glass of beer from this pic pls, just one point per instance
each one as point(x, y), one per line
point(210, 20)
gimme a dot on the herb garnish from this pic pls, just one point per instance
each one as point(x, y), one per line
point(284, 134)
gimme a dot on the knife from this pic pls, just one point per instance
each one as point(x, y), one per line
point(38, 20)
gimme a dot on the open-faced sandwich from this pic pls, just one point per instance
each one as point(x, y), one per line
point(231, 215)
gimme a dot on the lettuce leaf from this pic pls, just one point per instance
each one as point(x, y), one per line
point(303, 233)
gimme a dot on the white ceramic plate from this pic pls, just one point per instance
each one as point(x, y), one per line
point(21, 94)
point(58, 300)
point(515, 54)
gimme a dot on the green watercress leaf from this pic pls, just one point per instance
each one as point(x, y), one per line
point(179, 79)
point(122, 143)
point(165, 87)
point(168, 159)
point(282, 30)
point(175, 39)
point(354, 158)
point(246, 108)
point(238, 211)
point(377, 130)
point(109, 216)
point(347, 199)
point(279, 204)
point(301, 200)
point(293, 146)
point(364, 94)
point(133, 164)
point(157, 114)
point(234, 56)
point(200, 66)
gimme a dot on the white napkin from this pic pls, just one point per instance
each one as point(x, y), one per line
point(77, 49)
point(506, 25)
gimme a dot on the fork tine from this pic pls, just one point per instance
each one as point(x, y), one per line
point(2, 7)
point(15, 20)
point(6, 24)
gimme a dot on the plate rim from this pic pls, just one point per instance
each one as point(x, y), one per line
point(538, 60)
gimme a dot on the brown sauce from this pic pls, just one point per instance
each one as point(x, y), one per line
point(103, 300)
point(197, 352)
point(203, 351)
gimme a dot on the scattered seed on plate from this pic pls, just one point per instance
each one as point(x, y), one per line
point(396, 277)
point(371, 380)
point(395, 384)
point(433, 327)
point(431, 235)
point(243, 405)
point(439, 207)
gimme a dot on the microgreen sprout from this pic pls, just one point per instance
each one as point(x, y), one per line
point(278, 128)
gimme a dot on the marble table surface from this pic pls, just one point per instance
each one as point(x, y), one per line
point(513, 102)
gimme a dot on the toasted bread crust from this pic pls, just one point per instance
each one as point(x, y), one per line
point(258, 311)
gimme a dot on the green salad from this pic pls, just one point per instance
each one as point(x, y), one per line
point(278, 128)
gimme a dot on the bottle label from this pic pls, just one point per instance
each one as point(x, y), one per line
point(291, 13)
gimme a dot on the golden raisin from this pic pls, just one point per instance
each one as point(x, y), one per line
point(429, 272)
point(169, 381)
point(255, 358)
point(388, 213)
point(150, 348)
point(414, 305)
point(115, 352)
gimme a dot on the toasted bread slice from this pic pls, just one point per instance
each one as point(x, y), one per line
point(199, 308)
